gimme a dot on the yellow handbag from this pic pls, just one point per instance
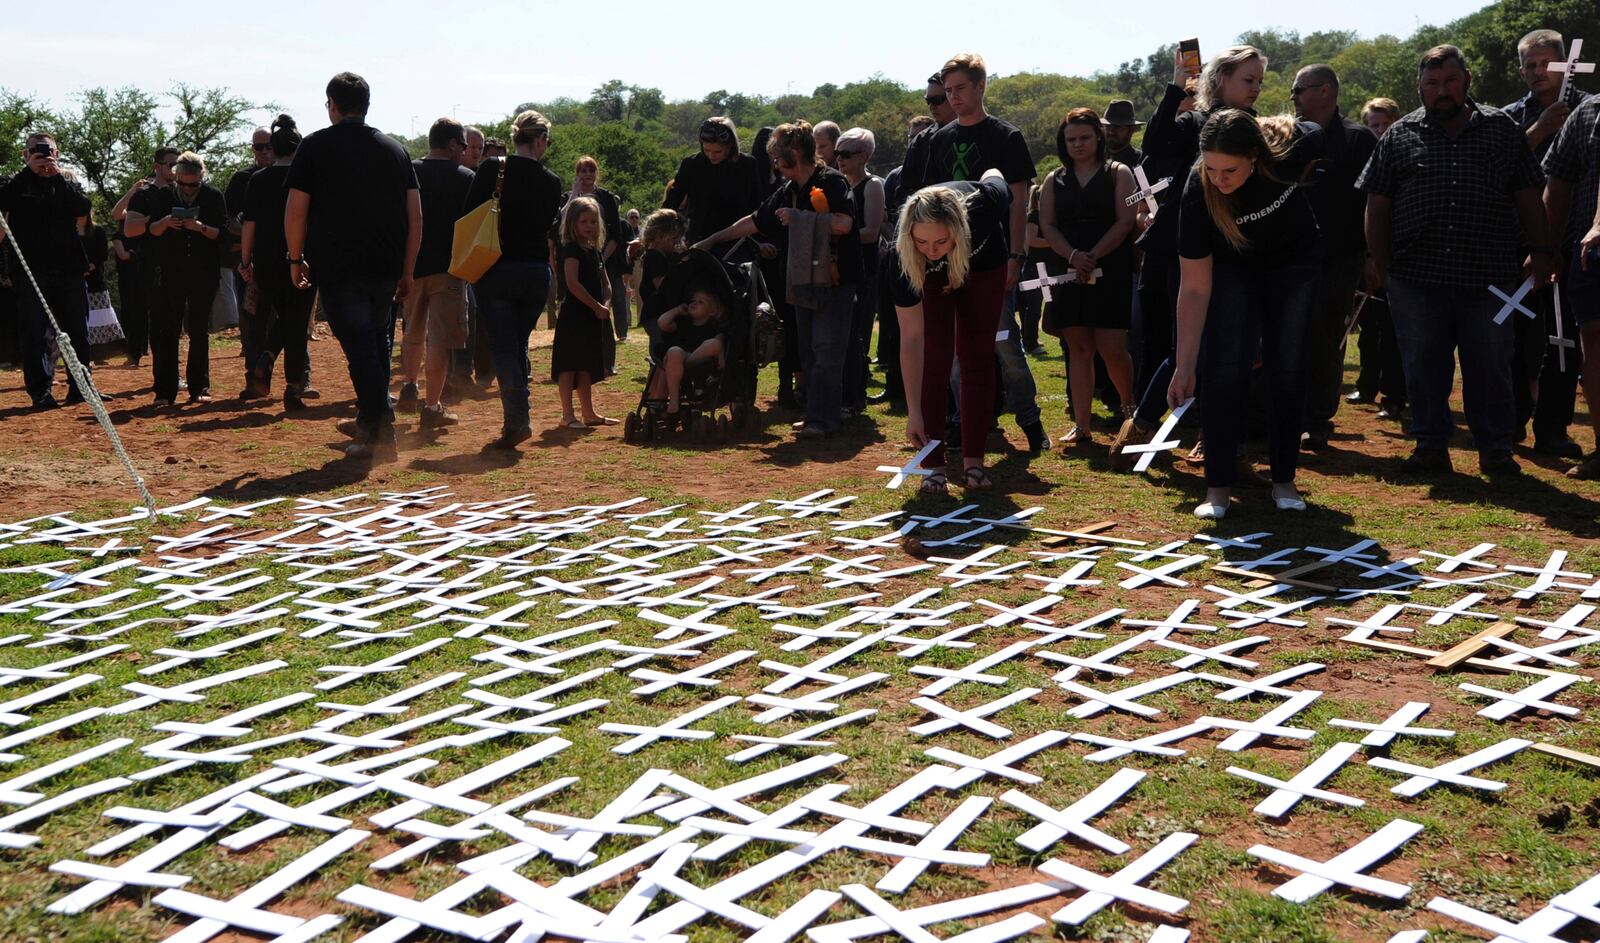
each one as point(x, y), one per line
point(476, 246)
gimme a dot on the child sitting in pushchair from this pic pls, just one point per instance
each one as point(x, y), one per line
point(689, 343)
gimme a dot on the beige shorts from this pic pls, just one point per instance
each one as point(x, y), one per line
point(436, 312)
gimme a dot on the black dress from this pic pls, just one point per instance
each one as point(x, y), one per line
point(578, 344)
point(1083, 215)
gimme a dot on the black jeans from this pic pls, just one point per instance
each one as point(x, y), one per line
point(1382, 371)
point(510, 297)
point(1256, 310)
point(69, 302)
point(889, 331)
point(133, 311)
point(283, 316)
point(182, 305)
point(1558, 388)
point(1335, 300)
point(1158, 304)
point(361, 311)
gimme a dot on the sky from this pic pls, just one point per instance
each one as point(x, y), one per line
point(478, 60)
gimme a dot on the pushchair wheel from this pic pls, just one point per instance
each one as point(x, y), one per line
point(630, 428)
point(647, 429)
point(724, 428)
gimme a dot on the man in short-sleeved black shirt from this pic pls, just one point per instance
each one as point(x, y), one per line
point(250, 331)
point(353, 224)
point(42, 208)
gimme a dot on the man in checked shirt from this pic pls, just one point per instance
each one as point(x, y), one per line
point(1447, 189)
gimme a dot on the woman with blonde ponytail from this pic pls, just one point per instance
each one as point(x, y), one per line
point(1249, 256)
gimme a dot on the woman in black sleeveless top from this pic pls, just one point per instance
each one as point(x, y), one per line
point(1084, 215)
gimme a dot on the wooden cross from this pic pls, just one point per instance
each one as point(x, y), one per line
point(1513, 302)
point(1570, 67)
point(1559, 340)
point(1045, 280)
point(1147, 191)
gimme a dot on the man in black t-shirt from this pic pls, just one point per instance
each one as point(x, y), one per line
point(436, 311)
point(43, 208)
point(250, 331)
point(134, 308)
point(962, 150)
point(353, 224)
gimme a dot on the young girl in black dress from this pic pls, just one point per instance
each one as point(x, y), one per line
point(578, 358)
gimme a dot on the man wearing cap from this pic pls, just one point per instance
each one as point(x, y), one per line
point(1120, 123)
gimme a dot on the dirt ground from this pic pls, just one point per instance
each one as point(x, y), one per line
point(236, 451)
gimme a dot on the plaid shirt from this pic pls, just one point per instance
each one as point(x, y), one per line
point(1527, 110)
point(1575, 158)
point(1454, 221)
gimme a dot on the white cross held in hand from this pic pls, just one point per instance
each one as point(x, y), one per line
point(1147, 191)
point(1570, 67)
point(1160, 442)
point(913, 467)
point(1045, 280)
point(1513, 302)
point(1559, 340)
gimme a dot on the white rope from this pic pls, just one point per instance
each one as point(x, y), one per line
point(81, 376)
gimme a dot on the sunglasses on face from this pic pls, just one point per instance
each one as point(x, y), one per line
point(934, 101)
point(188, 186)
point(259, 147)
point(846, 155)
point(1299, 90)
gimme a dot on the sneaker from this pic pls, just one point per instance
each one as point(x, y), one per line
point(1313, 442)
point(307, 391)
point(350, 428)
point(1038, 439)
point(1038, 350)
point(1359, 398)
point(408, 400)
point(435, 417)
point(47, 401)
point(1426, 462)
point(1562, 447)
point(1392, 411)
point(509, 439)
point(380, 448)
point(200, 396)
point(161, 402)
point(1498, 462)
point(1588, 470)
point(1133, 432)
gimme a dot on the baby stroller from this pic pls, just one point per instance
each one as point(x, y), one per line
point(716, 404)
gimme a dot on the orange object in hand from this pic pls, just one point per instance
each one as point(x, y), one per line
point(819, 200)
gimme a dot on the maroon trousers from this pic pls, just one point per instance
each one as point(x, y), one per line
point(960, 323)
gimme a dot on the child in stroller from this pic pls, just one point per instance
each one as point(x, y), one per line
point(690, 343)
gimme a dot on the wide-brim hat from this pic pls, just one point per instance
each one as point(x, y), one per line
point(1121, 112)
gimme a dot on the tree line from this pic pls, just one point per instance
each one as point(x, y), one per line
point(638, 136)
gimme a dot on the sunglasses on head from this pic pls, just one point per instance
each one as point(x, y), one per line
point(934, 101)
point(715, 132)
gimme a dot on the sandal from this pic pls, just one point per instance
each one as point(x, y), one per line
point(1076, 437)
point(934, 484)
point(976, 479)
point(576, 424)
point(600, 421)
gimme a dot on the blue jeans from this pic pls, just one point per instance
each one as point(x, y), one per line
point(1431, 322)
point(1016, 377)
point(69, 302)
point(360, 309)
point(1251, 310)
point(510, 297)
point(824, 340)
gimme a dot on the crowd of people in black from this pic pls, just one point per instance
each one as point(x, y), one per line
point(1230, 252)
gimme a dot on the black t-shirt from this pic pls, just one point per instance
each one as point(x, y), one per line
point(140, 203)
point(718, 195)
point(43, 213)
point(988, 204)
point(233, 194)
point(180, 250)
point(358, 179)
point(444, 185)
point(1275, 218)
point(652, 304)
point(834, 186)
point(964, 152)
point(264, 201)
point(530, 202)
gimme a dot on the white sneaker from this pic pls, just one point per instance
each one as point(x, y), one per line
point(1211, 512)
point(1295, 503)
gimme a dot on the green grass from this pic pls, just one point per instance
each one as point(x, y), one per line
point(1507, 852)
